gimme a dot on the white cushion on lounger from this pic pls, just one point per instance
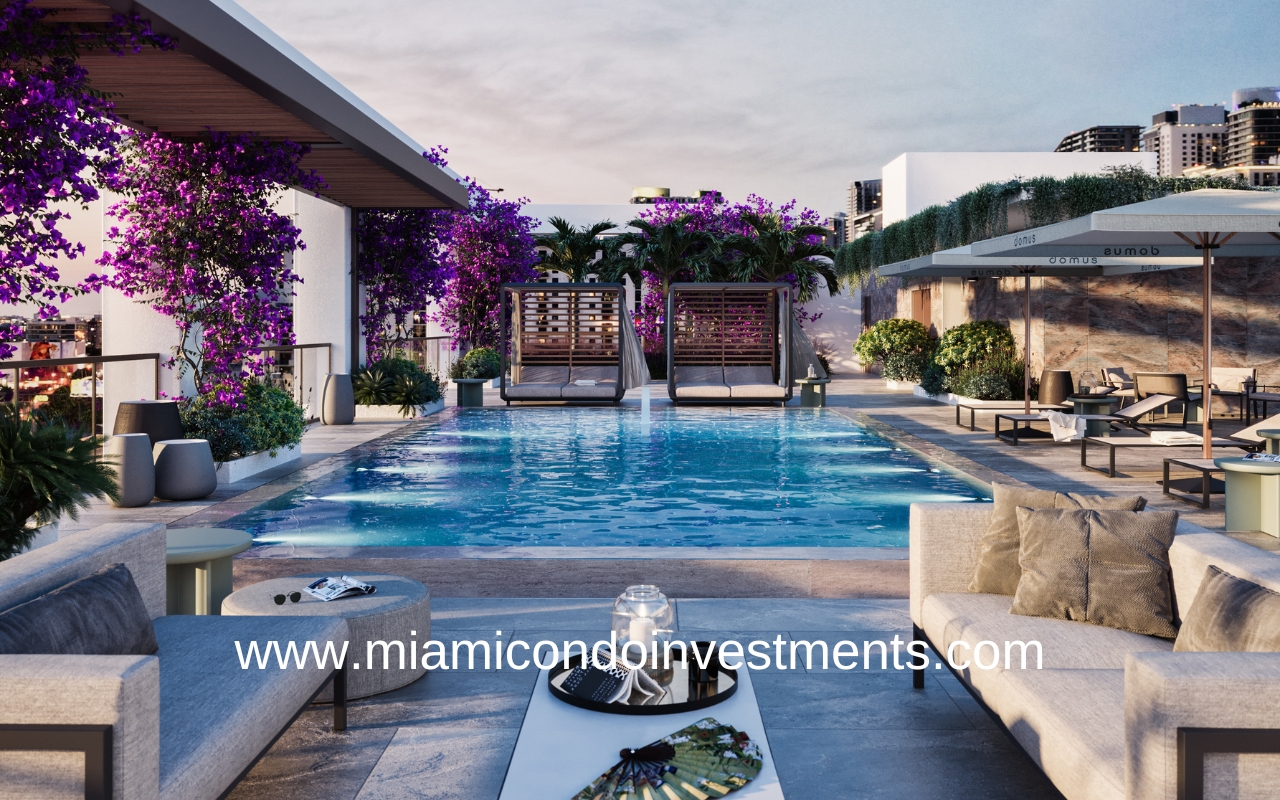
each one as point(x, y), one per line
point(701, 383)
point(753, 383)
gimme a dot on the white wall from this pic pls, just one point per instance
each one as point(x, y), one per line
point(839, 326)
point(915, 181)
point(322, 305)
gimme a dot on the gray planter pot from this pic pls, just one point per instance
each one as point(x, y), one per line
point(339, 405)
point(131, 457)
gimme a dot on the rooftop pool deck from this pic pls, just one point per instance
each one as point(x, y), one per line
point(537, 479)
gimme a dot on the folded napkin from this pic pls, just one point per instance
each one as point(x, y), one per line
point(1176, 437)
point(1065, 427)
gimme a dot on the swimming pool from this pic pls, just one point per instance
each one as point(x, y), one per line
point(589, 477)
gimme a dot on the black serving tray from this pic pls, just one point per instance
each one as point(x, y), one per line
point(675, 702)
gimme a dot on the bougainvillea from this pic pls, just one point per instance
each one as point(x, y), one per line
point(204, 246)
point(403, 265)
point(57, 139)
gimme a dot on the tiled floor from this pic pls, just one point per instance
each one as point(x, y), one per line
point(865, 733)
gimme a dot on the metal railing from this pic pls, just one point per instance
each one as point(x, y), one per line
point(434, 353)
point(15, 369)
point(290, 379)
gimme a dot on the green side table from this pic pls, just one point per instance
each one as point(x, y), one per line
point(813, 392)
point(1273, 441)
point(199, 568)
point(1253, 494)
point(470, 392)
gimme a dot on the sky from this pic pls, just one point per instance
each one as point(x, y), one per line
point(578, 102)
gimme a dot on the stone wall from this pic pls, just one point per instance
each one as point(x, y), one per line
point(1146, 323)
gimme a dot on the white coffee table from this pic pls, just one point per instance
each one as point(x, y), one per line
point(562, 748)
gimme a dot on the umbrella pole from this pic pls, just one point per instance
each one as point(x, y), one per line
point(1206, 393)
point(1026, 344)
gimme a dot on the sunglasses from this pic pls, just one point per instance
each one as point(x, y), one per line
point(293, 598)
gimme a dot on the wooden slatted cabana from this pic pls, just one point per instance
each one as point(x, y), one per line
point(567, 342)
point(729, 342)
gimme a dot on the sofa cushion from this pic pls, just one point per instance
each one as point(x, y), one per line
point(99, 615)
point(1105, 567)
point(534, 391)
point(973, 618)
point(536, 374)
point(757, 391)
point(998, 571)
point(745, 375)
point(1231, 615)
point(216, 717)
point(605, 388)
point(597, 374)
point(1079, 745)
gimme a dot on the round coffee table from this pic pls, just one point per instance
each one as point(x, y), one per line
point(400, 611)
point(199, 567)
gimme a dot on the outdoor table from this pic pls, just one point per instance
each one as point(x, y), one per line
point(998, 405)
point(813, 392)
point(1094, 410)
point(562, 748)
point(157, 418)
point(1187, 488)
point(199, 567)
point(400, 610)
point(1140, 442)
point(1273, 441)
point(1253, 495)
point(470, 392)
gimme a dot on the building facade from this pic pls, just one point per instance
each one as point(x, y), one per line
point(1102, 139)
point(1253, 127)
point(1187, 136)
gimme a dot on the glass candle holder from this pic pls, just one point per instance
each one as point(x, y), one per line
point(643, 614)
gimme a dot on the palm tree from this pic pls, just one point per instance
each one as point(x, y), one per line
point(775, 252)
point(668, 252)
point(573, 250)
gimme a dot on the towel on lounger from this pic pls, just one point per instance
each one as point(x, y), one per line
point(1065, 427)
point(1176, 437)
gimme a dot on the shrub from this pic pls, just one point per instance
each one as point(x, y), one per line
point(966, 345)
point(905, 366)
point(997, 377)
point(74, 412)
point(891, 336)
point(46, 470)
point(395, 381)
point(479, 362)
point(983, 386)
point(266, 418)
point(933, 380)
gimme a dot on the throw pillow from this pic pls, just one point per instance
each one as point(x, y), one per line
point(998, 571)
point(1105, 567)
point(1231, 615)
point(101, 615)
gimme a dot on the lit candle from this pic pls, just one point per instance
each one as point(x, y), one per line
point(641, 630)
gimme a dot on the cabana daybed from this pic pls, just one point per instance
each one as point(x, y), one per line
point(731, 342)
point(568, 342)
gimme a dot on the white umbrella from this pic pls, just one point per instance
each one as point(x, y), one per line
point(960, 262)
point(1232, 222)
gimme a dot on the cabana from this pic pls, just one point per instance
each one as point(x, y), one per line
point(1225, 222)
point(571, 342)
point(730, 342)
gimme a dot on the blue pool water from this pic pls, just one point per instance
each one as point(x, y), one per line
point(589, 477)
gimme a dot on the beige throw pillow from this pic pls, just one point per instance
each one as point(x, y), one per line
point(998, 571)
point(1231, 615)
point(1105, 567)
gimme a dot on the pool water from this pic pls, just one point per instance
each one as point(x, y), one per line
point(590, 477)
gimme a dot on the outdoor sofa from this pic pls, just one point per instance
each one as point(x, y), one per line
point(1112, 714)
point(185, 723)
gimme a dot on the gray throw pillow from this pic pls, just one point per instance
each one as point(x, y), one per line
point(998, 571)
point(101, 615)
point(1231, 615)
point(1105, 567)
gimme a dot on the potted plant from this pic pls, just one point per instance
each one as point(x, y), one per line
point(395, 388)
point(46, 471)
point(257, 431)
point(470, 372)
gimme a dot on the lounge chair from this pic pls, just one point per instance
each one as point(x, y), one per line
point(1113, 443)
point(1250, 435)
point(1118, 379)
point(1132, 414)
point(1171, 384)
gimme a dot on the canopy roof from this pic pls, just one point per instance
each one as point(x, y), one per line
point(1150, 229)
point(960, 262)
point(230, 73)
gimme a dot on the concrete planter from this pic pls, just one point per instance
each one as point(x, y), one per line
point(900, 386)
point(240, 468)
point(380, 413)
point(955, 399)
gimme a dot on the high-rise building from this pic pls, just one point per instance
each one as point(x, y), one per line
point(1101, 139)
point(1253, 126)
point(1189, 135)
point(864, 208)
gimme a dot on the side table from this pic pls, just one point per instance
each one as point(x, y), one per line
point(399, 611)
point(199, 567)
point(1094, 408)
point(1186, 489)
point(1272, 438)
point(1253, 495)
point(813, 392)
point(470, 392)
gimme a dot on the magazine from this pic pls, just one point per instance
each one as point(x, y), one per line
point(337, 588)
point(1261, 457)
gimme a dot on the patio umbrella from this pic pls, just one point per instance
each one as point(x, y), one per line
point(960, 262)
point(1231, 222)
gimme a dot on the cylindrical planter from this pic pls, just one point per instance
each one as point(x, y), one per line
point(158, 419)
point(1055, 386)
point(339, 404)
point(184, 469)
point(470, 392)
point(130, 455)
